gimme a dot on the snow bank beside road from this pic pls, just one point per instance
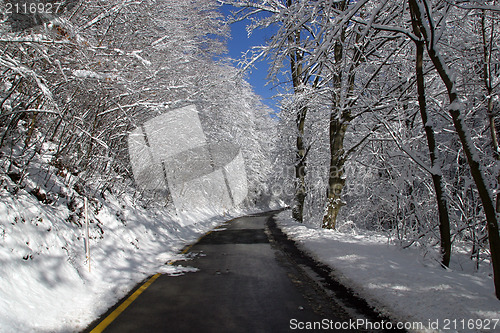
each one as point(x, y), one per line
point(45, 283)
point(400, 283)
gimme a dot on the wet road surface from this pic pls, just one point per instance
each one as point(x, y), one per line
point(244, 283)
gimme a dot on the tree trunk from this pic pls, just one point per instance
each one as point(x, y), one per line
point(31, 130)
point(300, 158)
point(300, 167)
point(337, 128)
point(437, 179)
point(455, 109)
point(487, 49)
point(336, 177)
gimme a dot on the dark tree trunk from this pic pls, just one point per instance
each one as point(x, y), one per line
point(487, 49)
point(336, 177)
point(455, 109)
point(437, 179)
point(300, 158)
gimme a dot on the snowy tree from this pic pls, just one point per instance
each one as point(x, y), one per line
point(287, 45)
point(423, 18)
point(86, 79)
point(439, 189)
point(358, 77)
point(325, 52)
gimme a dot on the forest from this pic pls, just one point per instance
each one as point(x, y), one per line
point(388, 120)
point(391, 119)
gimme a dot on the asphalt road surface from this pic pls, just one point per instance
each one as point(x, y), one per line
point(245, 283)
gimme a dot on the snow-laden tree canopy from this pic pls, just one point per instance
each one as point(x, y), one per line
point(101, 69)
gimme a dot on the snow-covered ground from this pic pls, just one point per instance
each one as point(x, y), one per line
point(46, 284)
point(402, 283)
point(45, 281)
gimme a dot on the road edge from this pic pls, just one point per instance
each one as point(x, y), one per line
point(327, 279)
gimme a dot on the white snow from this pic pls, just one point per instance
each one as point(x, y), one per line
point(136, 55)
point(402, 283)
point(86, 74)
point(45, 282)
point(82, 73)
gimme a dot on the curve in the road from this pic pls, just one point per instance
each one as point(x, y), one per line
point(247, 281)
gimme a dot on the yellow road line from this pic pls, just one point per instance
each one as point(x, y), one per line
point(109, 319)
point(113, 315)
point(187, 248)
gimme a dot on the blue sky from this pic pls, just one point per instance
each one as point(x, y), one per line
point(240, 43)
